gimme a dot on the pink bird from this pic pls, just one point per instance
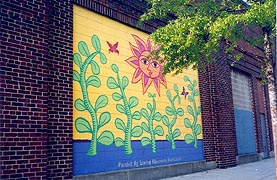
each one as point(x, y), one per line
point(113, 48)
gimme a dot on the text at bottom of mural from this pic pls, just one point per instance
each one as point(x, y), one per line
point(147, 71)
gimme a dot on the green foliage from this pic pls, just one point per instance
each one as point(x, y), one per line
point(150, 128)
point(196, 28)
point(82, 125)
point(194, 112)
point(174, 112)
point(124, 108)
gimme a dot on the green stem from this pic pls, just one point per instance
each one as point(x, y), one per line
point(173, 145)
point(127, 140)
point(93, 145)
point(153, 140)
point(172, 123)
point(194, 119)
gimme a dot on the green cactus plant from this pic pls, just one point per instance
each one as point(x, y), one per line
point(149, 128)
point(126, 109)
point(82, 125)
point(174, 112)
point(194, 112)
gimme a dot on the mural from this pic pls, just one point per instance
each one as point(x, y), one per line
point(126, 113)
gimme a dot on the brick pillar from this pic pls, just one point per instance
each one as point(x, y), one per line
point(217, 113)
point(23, 89)
point(60, 90)
point(207, 112)
point(256, 114)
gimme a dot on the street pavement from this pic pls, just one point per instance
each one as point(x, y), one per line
point(260, 170)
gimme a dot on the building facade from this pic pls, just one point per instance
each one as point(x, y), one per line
point(81, 99)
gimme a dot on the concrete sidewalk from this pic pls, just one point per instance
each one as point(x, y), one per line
point(260, 170)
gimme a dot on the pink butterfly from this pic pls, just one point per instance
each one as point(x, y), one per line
point(113, 48)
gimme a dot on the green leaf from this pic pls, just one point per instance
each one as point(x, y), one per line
point(111, 83)
point(186, 78)
point(145, 141)
point(82, 125)
point(175, 87)
point(198, 110)
point(176, 133)
point(95, 67)
point(198, 129)
point(187, 123)
point(159, 130)
point(77, 59)
point(136, 131)
point(119, 142)
point(83, 48)
point(76, 76)
point(101, 102)
point(106, 138)
point(169, 111)
point(194, 83)
point(136, 115)
point(180, 111)
point(79, 105)
point(116, 96)
point(165, 120)
point(120, 124)
point(125, 82)
point(120, 108)
point(144, 113)
point(115, 68)
point(145, 127)
point(190, 98)
point(103, 58)
point(96, 43)
point(189, 138)
point(168, 94)
point(190, 110)
point(133, 101)
point(158, 117)
point(149, 106)
point(190, 87)
point(105, 117)
point(195, 92)
point(94, 81)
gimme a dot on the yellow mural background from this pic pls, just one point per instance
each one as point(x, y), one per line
point(86, 24)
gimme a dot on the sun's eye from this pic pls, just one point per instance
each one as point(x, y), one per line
point(155, 64)
point(145, 61)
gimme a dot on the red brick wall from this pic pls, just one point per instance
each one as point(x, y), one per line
point(36, 89)
point(217, 113)
point(24, 89)
point(60, 100)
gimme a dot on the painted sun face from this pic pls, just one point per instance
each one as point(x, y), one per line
point(148, 68)
point(149, 65)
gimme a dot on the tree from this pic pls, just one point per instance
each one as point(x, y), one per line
point(196, 28)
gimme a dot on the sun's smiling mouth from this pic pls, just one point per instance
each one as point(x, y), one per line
point(146, 70)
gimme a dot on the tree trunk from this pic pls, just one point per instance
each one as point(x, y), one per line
point(268, 70)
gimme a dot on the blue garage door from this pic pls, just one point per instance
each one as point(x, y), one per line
point(243, 113)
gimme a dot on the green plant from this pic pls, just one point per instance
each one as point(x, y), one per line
point(194, 112)
point(149, 128)
point(82, 125)
point(174, 112)
point(125, 108)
